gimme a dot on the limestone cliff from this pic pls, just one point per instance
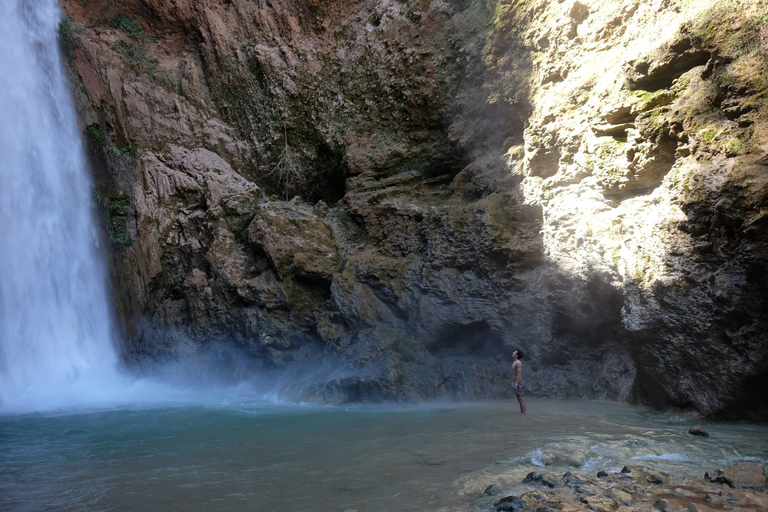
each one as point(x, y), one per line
point(413, 189)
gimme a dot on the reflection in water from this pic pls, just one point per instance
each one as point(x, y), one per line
point(255, 456)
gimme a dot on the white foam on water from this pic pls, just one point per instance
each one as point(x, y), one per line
point(669, 457)
point(535, 457)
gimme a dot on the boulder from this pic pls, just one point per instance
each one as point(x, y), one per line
point(742, 475)
point(698, 430)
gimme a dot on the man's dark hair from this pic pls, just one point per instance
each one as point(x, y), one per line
point(519, 354)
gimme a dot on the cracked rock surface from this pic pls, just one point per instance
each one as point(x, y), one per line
point(410, 190)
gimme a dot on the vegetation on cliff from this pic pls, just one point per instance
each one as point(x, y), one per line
point(417, 188)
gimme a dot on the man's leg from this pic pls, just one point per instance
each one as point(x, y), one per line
point(521, 401)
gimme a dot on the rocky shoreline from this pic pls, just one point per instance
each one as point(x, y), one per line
point(741, 486)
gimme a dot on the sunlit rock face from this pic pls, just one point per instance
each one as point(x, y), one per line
point(412, 190)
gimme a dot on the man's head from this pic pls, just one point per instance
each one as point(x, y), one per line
point(517, 354)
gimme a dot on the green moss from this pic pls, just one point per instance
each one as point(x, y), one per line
point(611, 148)
point(132, 150)
point(135, 52)
point(589, 164)
point(516, 152)
point(734, 147)
point(616, 256)
point(65, 36)
point(708, 135)
point(129, 26)
point(298, 298)
point(341, 214)
point(92, 130)
point(118, 212)
point(645, 100)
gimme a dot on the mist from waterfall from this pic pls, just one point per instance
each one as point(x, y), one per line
point(55, 328)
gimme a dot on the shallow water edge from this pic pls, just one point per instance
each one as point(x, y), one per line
point(239, 454)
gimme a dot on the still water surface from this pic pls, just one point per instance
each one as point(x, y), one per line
point(277, 457)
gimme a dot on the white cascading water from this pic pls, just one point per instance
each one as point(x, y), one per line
point(55, 327)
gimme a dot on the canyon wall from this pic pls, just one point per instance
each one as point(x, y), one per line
point(389, 197)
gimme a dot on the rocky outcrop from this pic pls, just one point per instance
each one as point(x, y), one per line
point(635, 488)
point(409, 191)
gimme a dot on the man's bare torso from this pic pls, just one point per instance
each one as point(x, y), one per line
point(517, 371)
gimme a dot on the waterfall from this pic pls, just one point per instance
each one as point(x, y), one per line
point(55, 327)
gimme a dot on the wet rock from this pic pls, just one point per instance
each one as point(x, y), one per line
point(698, 430)
point(509, 503)
point(602, 474)
point(654, 479)
point(548, 479)
point(491, 490)
point(571, 480)
point(742, 475)
point(689, 494)
point(626, 469)
point(531, 478)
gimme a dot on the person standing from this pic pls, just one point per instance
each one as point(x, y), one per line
point(517, 376)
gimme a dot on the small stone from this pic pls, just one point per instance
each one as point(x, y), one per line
point(698, 430)
point(531, 477)
point(626, 469)
point(709, 497)
point(654, 479)
point(566, 477)
point(492, 490)
point(601, 474)
point(584, 500)
point(550, 480)
point(509, 504)
point(581, 490)
point(661, 505)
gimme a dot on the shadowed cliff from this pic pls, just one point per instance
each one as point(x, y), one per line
point(415, 189)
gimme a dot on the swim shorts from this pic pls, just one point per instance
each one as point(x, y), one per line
point(520, 388)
